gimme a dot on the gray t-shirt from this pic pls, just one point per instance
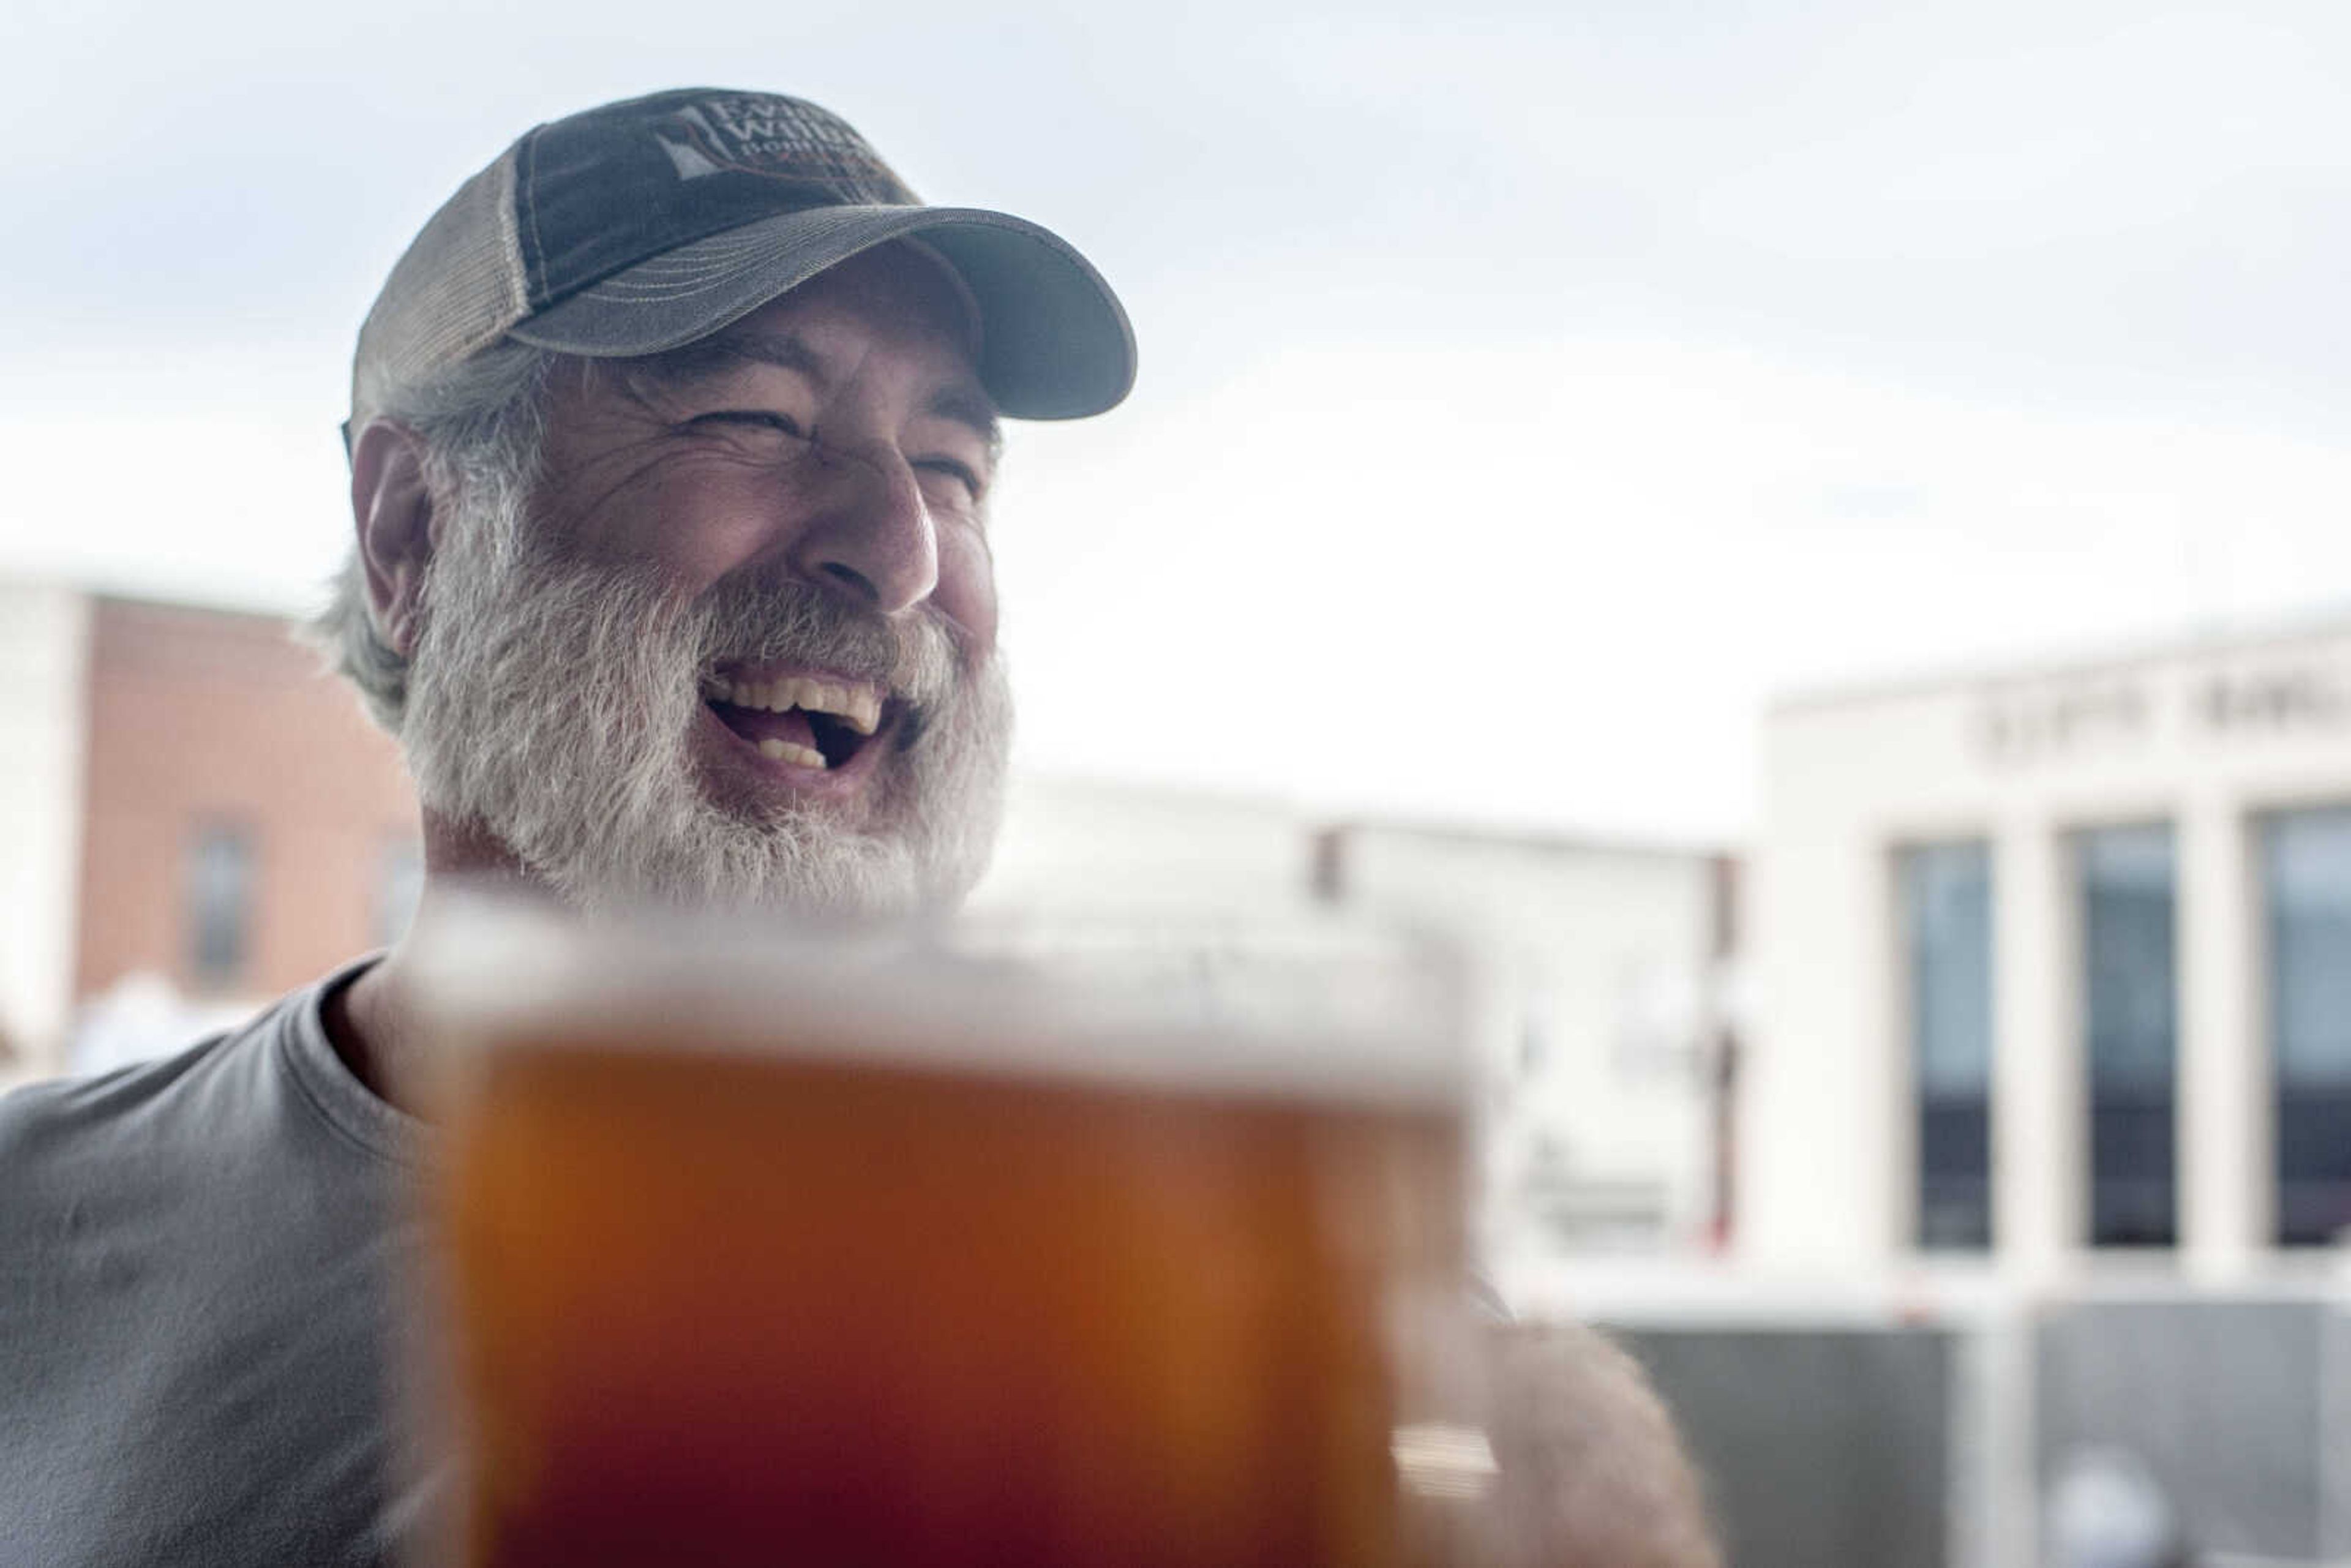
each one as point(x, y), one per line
point(201, 1259)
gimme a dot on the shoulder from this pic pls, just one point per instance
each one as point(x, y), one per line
point(197, 1259)
point(75, 1121)
point(96, 1168)
point(177, 1124)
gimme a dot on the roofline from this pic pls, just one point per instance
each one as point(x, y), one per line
point(1314, 818)
point(263, 604)
point(1545, 841)
point(2217, 636)
point(192, 606)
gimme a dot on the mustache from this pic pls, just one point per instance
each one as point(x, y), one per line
point(767, 619)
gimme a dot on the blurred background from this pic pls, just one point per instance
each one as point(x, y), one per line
point(1818, 532)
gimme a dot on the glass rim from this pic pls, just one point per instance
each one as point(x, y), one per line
point(1326, 1007)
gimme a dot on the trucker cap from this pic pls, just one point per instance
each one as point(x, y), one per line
point(643, 226)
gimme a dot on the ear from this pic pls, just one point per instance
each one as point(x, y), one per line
point(393, 507)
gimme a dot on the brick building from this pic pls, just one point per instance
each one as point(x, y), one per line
point(194, 818)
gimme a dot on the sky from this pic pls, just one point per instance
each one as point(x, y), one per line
point(1530, 394)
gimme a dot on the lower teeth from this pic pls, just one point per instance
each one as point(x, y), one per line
point(792, 752)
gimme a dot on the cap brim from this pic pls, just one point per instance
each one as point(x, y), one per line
point(1055, 342)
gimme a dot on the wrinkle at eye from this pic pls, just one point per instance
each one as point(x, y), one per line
point(591, 486)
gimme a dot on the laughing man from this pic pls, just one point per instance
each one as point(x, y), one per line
point(671, 437)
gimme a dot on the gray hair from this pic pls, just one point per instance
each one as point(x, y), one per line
point(482, 424)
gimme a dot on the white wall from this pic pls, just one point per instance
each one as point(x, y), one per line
point(1120, 847)
point(1604, 949)
point(43, 663)
point(2205, 735)
point(1603, 1137)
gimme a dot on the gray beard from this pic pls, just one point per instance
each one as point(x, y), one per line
point(550, 704)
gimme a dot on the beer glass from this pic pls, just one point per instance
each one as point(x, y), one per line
point(1138, 1249)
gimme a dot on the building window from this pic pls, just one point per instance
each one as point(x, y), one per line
point(1945, 892)
point(220, 880)
point(398, 881)
point(2306, 877)
point(2130, 1021)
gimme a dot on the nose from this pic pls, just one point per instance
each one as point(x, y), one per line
point(869, 536)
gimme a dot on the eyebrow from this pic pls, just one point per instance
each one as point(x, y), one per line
point(968, 407)
point(722, 352)
point(715, 355)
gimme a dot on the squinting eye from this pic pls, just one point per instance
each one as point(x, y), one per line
point(758, 418)
point(953, 470)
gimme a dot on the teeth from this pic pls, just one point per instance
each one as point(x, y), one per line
point(858, 706)
point(791, 752)
point(863, 712)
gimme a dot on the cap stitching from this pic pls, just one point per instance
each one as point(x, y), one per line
point(516, 273)
point(527, 191)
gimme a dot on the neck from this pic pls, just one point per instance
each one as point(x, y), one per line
point(373, 1022)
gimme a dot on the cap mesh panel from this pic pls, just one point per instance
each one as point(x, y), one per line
point(454, 292)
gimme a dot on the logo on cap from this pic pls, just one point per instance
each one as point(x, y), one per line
point(779, 138)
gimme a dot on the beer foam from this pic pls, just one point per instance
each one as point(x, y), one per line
point(1322, 1008)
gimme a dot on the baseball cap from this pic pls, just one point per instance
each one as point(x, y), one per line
point(645, 224)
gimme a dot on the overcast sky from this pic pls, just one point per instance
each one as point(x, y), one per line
point(1528, 393)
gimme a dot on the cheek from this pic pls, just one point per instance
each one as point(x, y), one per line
point(694, 528)
point(967, 589)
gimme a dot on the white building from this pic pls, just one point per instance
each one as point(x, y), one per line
point(1599, 970)
point(2053, 969)
point(1084, 845)
point(1604, 968)
point(43, 674)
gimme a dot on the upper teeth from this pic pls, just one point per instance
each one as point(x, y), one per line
point(860, 707)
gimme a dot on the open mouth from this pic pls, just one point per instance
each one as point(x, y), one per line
point(819, 722)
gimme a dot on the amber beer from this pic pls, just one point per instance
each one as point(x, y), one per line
point(909, 1265)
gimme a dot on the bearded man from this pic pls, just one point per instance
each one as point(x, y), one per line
point(672, 436)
